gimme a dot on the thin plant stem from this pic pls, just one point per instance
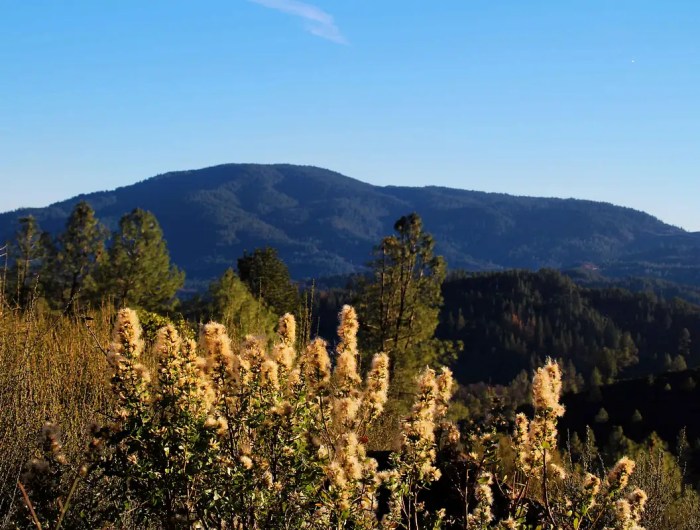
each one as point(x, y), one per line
point(73, 487)
point(29, 505)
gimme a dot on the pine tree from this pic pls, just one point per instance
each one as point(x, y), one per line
point(595, 382)
point(137, 271)
point(602, 416)
point(72, 266)
point(684, 343)
point(267, 278)
point(399, 307)
point(28, 255)
point(678, 364)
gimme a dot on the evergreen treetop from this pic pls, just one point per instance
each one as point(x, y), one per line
point(137, 270)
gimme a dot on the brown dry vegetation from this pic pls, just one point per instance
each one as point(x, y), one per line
point(52, 369)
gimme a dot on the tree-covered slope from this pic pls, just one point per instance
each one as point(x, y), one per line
point(324, 223)
point(510, 321)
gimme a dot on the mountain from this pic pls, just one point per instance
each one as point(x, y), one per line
point(324, 223)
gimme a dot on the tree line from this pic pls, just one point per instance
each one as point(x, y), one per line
point(494, 325)
point(86, 264)
point(399, 301)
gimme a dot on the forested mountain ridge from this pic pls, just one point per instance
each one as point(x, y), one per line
point(324, 223)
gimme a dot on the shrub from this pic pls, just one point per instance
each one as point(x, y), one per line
point(246, 436)
point(258, 434)
point(523, 482)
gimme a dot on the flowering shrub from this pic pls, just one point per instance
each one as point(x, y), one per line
point(250, 436)
point(539, 491)
point(263, 435)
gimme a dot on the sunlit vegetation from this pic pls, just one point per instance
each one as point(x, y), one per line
point(211, 411)
point(250, 435)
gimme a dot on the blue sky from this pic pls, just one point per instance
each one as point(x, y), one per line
point(596, 99)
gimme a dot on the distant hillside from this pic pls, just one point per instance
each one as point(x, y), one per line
point(509, 321)
point(324, 223)
point(662, 288)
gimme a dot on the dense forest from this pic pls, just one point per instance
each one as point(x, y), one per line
point(509, 320)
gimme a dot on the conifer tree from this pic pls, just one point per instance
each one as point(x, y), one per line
point(400, 305)
point(267, 278)
point(684, 343)
point(137, 270)
point(595, 383)
point(28, 254)
point(72, 266)
point(602, 416)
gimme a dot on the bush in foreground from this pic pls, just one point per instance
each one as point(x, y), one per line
point(251, 436)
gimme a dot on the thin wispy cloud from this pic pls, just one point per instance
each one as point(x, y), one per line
point(316, 21)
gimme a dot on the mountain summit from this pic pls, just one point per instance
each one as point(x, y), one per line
point(325, 223)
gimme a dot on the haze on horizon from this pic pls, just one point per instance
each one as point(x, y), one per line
point(594, 100)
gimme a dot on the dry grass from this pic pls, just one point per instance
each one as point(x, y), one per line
point(51, 370)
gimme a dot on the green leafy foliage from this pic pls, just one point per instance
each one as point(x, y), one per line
point(235, 307)
point(248, 435)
